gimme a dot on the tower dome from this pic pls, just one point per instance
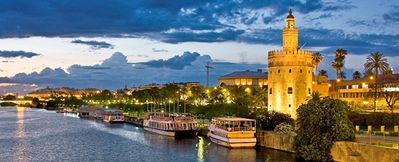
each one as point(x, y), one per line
point(290, 14)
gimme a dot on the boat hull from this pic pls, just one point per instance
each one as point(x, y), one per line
point(170, 133)
point(114, 121)
point(233, 143)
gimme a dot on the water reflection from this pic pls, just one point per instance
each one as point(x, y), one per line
point(37, 135)
point(21, 145)
point(200, 149)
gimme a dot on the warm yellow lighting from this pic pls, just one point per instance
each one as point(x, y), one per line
point(329, 85)
point(248, 90)
point(371, 77)
point(338, 80)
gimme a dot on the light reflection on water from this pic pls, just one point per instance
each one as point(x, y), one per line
point(38, 135)
point(20, 135)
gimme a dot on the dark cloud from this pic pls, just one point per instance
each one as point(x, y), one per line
point(323, 16)
point(7, 61)
point(21, 54)
point(115, 72)
point(94, 44)
point(70, 18)
point(159, 50)
point(176, 62)
point(393, 15)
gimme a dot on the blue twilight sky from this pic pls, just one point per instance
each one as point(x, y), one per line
point(110, 43)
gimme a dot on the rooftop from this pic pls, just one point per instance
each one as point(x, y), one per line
point(246, 74)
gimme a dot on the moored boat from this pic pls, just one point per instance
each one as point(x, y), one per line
point(173, 125)
point(86, 111)
point(233, 132)
point(113, 116)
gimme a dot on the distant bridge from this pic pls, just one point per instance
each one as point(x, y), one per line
point(19, 102)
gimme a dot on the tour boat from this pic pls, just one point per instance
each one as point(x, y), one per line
point(233, 132)
point(174, 125)
point(113, 116)
point(86, 111)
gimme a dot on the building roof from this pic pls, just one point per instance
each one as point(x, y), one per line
point(246, 74)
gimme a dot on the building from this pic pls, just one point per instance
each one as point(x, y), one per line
point(61, 92)
point(254, 79)
point(181, 85)
point(290, 72)
point(359, 92)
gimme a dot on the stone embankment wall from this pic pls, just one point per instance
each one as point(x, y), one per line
point(270, 139)
point(360, 152)
point(341, 151)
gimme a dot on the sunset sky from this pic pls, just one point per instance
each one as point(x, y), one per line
point(110, 43)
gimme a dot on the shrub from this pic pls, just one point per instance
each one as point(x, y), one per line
point(320, 123)
point(268, 120)
point(284, 128)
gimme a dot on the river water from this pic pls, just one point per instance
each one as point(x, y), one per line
point(39, 135)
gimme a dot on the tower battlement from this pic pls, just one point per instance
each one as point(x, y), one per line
point(295, 52)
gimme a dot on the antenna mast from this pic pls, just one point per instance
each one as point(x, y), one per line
point(207, 67)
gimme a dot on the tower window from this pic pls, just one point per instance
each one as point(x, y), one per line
point(289, 105)
point(289, 90)
point(309, 91)
point(300, 71)
point(270, 91)
point(278, 71)
point(309, 71)
point(290, 70)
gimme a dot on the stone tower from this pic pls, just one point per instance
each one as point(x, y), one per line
point(289, 72)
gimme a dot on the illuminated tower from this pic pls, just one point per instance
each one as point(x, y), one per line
point(289, 72)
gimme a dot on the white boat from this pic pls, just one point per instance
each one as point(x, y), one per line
point(98, 114)
point(86, 111)
point(113, 116)
point(233, 132)
point(174, 125)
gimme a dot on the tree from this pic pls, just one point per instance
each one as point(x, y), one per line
point(339, 60)
point(342, 75)
point(387, 91)
point(316, 60)
point(321, 122)
point(376, 63)
point(356, 75)
point(323, 72)
point(9, 97)
point(260, 98)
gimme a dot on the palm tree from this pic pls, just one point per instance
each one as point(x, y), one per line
point(342, 75)
point(323, 72)
point(339, 58)
point(356, 75)
point(316, 60)
point(376, 63)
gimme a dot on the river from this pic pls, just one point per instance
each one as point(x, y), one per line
point(38, 135)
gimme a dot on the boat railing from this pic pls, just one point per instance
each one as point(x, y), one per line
point(230, 129)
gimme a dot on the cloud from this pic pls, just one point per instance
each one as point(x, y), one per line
point(115, 72)
point(131, 18)
point(393, 15)
point(21, 54)
point(94, 44)
point(176, 62)
point(159, 50)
